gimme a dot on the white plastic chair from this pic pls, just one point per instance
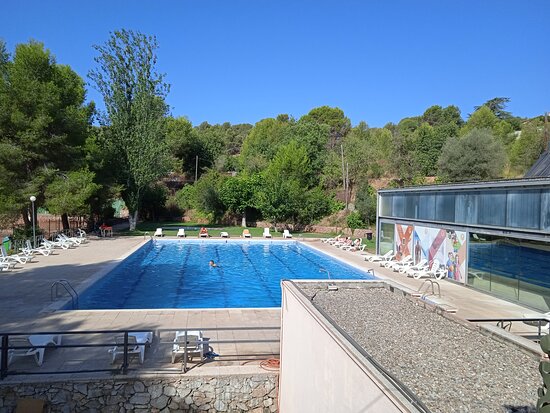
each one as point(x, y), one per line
point(181, 233)
point(287, 234)
point(158, 233)
point(266, 233)
point(191, 345)
point(376, 258)
point(134, 339)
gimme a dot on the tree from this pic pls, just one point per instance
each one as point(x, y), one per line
point(262, 143)
point(339, 124)
point(68, 194)
point(134, 95)
point(365, 203)
point(354, 221)
point(497, 106)
point(473, 157)
point(527, 148)
point(237, 194)
point(43, 125)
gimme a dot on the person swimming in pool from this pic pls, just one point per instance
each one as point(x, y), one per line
point(212, 263)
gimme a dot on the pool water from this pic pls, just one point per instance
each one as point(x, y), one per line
point(177, 274)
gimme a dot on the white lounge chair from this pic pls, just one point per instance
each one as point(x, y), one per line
point(181, 233)
point(21, 259)
point(193, 345)
point(5, 266)
point(421, 265)
point(56, 244)
point(434, 271)
point(224, 234)
point(266, 233)
point(36, 346)
point(158, 233)
point(376, 258)
point(70, 240)
point(40, 250)
point(136, 345)
point(246, 233)
point(287, 234)
point(543, 325)
point(328, 240)
point(395, 265)
point(203, 233)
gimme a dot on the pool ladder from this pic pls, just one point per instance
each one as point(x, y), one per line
point(68, 288)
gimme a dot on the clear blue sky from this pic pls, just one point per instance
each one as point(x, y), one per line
point(379, 61)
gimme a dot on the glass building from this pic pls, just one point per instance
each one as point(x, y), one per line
point(492, 236)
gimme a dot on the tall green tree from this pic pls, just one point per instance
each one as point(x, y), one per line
point(134, 93)
point(238, 194)
point(68, 194)
point(43, 124)
point(527, 148)
point(335, 118)
point(473, 157)
point(497, 106)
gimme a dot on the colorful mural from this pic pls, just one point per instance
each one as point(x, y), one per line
point(448, 247)
point(403, 240)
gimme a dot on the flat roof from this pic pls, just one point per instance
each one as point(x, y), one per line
point(500, 184)
point(448, 363)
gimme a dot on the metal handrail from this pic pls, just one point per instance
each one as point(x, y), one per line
point(124, 367)
point(70, 290)
point(502, 320)
point(432, 282)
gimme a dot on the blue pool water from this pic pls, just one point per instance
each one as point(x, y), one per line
point(177, 274)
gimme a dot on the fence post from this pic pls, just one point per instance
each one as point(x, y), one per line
point(4, 363)
point(125, 358)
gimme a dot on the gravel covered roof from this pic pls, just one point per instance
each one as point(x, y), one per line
point(450, 367)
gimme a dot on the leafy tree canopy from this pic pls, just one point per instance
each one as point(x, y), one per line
point(476, 156)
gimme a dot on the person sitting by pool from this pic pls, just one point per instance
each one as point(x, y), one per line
point(212, 263)
point(203, 233)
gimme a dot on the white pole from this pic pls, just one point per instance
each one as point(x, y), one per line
point(33, 198)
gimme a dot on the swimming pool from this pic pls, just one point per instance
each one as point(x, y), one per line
point(177, 274)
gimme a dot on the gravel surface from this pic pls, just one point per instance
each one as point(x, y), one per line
point(448, 366)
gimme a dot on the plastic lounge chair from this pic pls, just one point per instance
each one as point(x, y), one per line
point(266, 233)
point(544, 325)
point(376, 258)
point(354, 245)
point(181, 233)
point(193, 345)
point(134, 340)
point(395, 265)
point(56, 244)
point(329, 240)
point(4, 266)
point(40, 250)
point(224, 234)
point(421, 265)
point(21, 259)
point(246, 233)
point(434, 271)
point(203, 233)
point(158, 233)
point(29, 350)
point(70, 240)
point(287, 234)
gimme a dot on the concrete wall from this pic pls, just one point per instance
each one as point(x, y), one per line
point(321, 372)
point(236, 393)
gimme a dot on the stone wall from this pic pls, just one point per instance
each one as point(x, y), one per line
point(233, 394)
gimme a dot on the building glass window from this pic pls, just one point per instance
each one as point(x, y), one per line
point(445, 207)
point(387, 236)
point(523, 209)
point(515, 269)
point(466, 208)
point(385, 206)
point(492, 208)
point(426, 206)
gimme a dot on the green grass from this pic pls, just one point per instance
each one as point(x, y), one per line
point(171, 229)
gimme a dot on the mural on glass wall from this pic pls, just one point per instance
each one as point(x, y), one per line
point(448, 247)
point(403, 240)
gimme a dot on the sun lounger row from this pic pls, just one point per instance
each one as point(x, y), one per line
point(203, 233)
point(346, 243)
point(186, 343)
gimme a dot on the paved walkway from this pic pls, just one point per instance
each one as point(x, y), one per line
point(25, 294)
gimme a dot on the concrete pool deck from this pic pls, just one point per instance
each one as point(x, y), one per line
point(25, 293)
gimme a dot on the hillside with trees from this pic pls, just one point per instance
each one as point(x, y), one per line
point(290, 172)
